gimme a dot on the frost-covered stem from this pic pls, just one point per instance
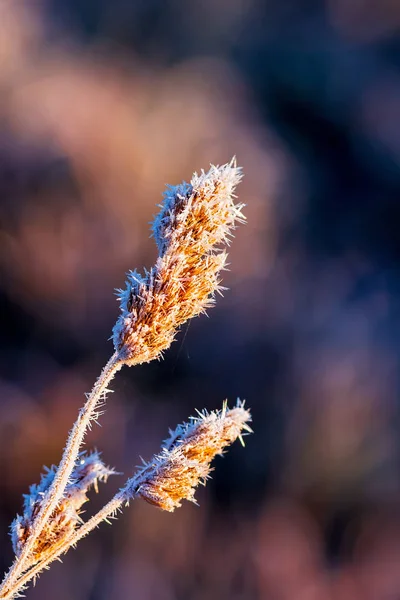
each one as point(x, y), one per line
point(165, 481)
point(108, 510)
point(56, 490)
point(123, 496)
point(111, 508)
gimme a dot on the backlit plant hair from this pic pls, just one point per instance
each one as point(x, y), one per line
point(195, 219)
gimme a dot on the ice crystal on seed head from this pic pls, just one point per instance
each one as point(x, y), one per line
point(89, 470)
point(175, 200)
point(194, 220)
point(184, 461)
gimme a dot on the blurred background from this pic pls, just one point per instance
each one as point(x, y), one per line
point(103, 103)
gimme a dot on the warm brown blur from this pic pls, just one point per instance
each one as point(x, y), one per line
point(103, 104)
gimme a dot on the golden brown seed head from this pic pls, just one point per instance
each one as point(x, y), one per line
point(195, 219)
point(184, 462)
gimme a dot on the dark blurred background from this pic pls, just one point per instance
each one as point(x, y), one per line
point(103, 103)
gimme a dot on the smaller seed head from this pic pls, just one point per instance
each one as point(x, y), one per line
point(184, 461)
point(88, 471)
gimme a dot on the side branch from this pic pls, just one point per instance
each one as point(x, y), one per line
point(56, 490)
point(107, 511)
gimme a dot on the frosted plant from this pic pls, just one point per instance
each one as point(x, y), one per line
point(87, 472)
point(195, 219)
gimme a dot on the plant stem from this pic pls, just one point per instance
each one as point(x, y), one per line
point(56, 490)
point(54, 552)
point(109, 509)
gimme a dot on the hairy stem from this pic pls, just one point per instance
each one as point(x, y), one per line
point(108, 510)
point(56, 490)
point(55, 552)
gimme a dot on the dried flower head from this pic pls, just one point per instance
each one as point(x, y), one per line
point(89, 470)
point(195, 218)
point(184, 462)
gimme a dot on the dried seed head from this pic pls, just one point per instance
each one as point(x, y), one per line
point(88, 471)
point(184, 461)
point(195, 219)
